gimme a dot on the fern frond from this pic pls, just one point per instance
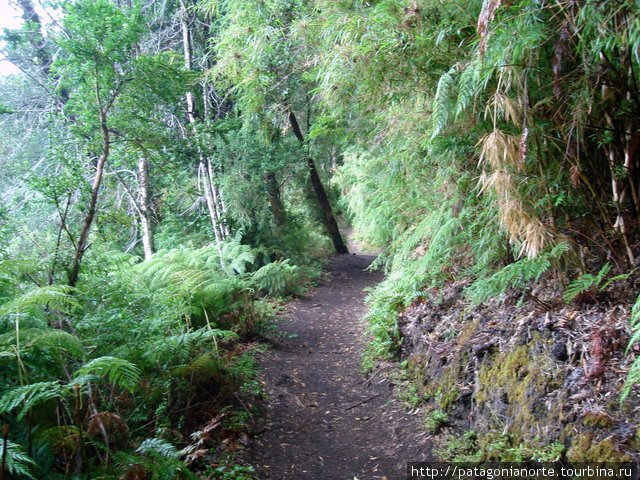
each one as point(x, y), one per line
point(275, 278)
point(468, 84)
point(236, 257)
point(29, 396)
point(18, 463)
point(49, 339)
point(57, 297)
point(633, 377)
point(117, 371)
point(442, 104)
point(584, 283)
point(517, 273)
point(59, 437)
point(159, 447)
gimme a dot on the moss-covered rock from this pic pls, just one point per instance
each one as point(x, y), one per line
point(584, 448)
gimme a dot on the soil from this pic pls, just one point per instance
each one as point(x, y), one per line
point(325, 419)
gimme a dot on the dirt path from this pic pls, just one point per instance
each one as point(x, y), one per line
point(325, 419)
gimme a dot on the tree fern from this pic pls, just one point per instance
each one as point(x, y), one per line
point(117, 371)
point(18, 463)
point(28, 396)
point(54, 296)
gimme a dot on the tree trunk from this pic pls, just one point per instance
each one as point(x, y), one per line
point(211, 204)
point(204, 164)
point(145, 209)
point(81, 245)
point(321, 194)
point(273, 192)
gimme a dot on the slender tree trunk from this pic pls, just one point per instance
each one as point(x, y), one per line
point(224, 226)
point(204, 164)
point(321, 194)
point(216, 195)
point(145, 209)
point(618, 188)
point(208, 195)
point(81, 245)
point(273, 192)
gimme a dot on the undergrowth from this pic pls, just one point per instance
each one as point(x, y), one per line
point(147, 368)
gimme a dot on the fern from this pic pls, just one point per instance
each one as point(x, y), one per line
point(236, 256)
point(187, 343)
point(55, 296)
point(467, 86)
point(28, 396)
point(442, 101)
point(50, 340)
point(275, 278)
point(517, 273)
point(157, 447)
point(18, 463)
point(585, 282)
point(117, 371)
point(633, 377)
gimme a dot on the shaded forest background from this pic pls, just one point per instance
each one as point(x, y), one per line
point(172, 170)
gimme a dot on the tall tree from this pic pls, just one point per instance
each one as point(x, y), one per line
point(263, 67)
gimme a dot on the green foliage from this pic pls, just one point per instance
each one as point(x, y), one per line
point(276, 278)
point(234, 472)
point(585, 282)
point(159, 447)
point(235, 257)
point(29, 396)
point(35, 300)
point(116, 371)
point(17, 461)
point(515, 274)
point(462, 151)
point(436, 420)
point(633, 377)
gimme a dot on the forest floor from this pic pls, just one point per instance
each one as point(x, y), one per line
point(325, 419)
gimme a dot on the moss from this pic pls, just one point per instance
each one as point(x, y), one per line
point(416, 366)
point(585, 448)
point(512, 386)
point(443, 387)
point(597, 420)
point(467, 333)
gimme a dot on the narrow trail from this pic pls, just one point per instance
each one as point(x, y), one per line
point(325, 419)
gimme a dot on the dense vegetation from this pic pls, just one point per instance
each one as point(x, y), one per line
point(170, 169)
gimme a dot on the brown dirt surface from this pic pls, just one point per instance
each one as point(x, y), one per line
point(325, 419)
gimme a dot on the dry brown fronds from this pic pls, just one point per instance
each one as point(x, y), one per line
point(499, 150)
point(535, 237)
point(108, 423)
point(513, 217)
point(575, 175)
point(501, 154)
point(502, 105)
point(500, 181)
